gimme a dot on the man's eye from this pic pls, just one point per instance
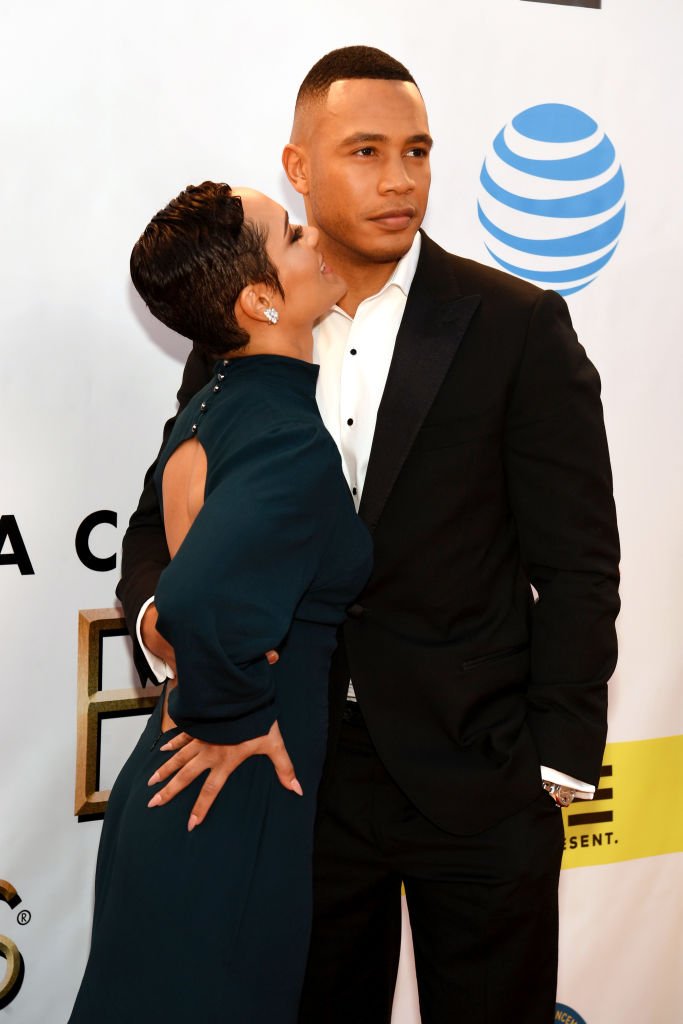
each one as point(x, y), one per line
point(365, 151)
point(418, 151)
point(297, 232)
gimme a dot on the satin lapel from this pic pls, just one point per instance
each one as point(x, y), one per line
point(434, 323)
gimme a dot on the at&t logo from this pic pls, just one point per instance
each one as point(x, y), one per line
point(551, 198)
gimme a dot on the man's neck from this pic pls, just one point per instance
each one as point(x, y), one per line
point(363, 277)
point(363, 281)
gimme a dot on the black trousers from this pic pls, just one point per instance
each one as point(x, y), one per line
point(483, 908)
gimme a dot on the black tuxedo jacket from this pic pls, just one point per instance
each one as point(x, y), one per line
point(489, 473)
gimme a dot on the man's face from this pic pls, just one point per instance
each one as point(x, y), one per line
point(366, 153)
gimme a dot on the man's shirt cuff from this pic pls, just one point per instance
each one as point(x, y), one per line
point(158, 666)
point(584, 791)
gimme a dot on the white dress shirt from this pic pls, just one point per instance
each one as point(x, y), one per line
point(354, 354)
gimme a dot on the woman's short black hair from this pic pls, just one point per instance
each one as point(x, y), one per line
point(192, 261)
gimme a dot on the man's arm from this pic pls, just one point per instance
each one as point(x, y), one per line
point(560, 487)
point(145, 553)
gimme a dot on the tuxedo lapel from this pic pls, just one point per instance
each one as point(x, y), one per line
point(434, 323)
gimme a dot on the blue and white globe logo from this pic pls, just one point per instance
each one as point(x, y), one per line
point(551, 200)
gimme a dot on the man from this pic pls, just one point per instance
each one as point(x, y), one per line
point(471, 432)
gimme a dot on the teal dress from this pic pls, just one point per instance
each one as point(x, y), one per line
point(213, 926)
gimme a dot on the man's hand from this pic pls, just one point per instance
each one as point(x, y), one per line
point(192, 757)
point(152, 638)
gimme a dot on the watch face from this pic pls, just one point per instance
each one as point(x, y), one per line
point(562, 795)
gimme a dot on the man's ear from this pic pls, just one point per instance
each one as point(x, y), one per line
point(251, 303)
point(295, 164)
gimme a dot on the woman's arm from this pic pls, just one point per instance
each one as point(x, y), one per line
point(144, 553)
point(231, 591)
point(232, 588)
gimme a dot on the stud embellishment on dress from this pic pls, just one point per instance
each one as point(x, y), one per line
point(216, 387)
point(202, 407)
point(221, 376)
point(271, 315)
point(194, 428)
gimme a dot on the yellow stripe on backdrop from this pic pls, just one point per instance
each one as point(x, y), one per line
point(637, 810)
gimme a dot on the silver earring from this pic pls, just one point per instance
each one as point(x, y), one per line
point(271, 315)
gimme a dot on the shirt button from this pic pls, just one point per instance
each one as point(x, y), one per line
point(350, 422)
point(355, 490)
point(353, 351)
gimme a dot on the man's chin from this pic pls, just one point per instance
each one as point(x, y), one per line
point(389, 250)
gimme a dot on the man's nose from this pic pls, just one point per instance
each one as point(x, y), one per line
point(396, 178)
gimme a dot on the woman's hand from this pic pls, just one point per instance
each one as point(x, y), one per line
point(192, 757)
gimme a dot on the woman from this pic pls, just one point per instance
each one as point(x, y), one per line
point(198, 918)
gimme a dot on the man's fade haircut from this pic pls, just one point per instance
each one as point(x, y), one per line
point(193, 260)
point(350, 62)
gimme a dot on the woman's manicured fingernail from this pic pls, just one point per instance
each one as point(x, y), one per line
point(166, 746)
point(155, 801)
point(295, 785)
point(192, 822)
point(155, 778)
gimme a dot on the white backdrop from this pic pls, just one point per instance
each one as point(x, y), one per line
point(107, 112)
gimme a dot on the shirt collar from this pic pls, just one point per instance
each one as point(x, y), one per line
point(405, 268)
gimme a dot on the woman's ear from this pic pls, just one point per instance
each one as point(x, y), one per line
point(295, 165)
point(252, 303)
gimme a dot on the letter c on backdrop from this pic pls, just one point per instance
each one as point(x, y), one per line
point(89, 560)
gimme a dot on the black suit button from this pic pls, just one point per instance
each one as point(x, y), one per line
point(356, 611)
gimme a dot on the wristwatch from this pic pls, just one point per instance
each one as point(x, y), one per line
point(562, 795)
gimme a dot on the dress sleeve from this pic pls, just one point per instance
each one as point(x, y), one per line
point(230, 592)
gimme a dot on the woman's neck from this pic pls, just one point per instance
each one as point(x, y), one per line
point(268, 341)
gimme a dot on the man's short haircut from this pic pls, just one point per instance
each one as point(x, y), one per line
point(350, 62)
point(192, 261)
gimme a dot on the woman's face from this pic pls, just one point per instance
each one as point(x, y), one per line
point(310, 287)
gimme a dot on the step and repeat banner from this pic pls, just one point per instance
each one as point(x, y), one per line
point(557, 155)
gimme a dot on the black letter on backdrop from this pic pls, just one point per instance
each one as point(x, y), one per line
point(83, 551)
point(18, 555)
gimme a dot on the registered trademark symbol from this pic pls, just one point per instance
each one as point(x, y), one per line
point(24, 916)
